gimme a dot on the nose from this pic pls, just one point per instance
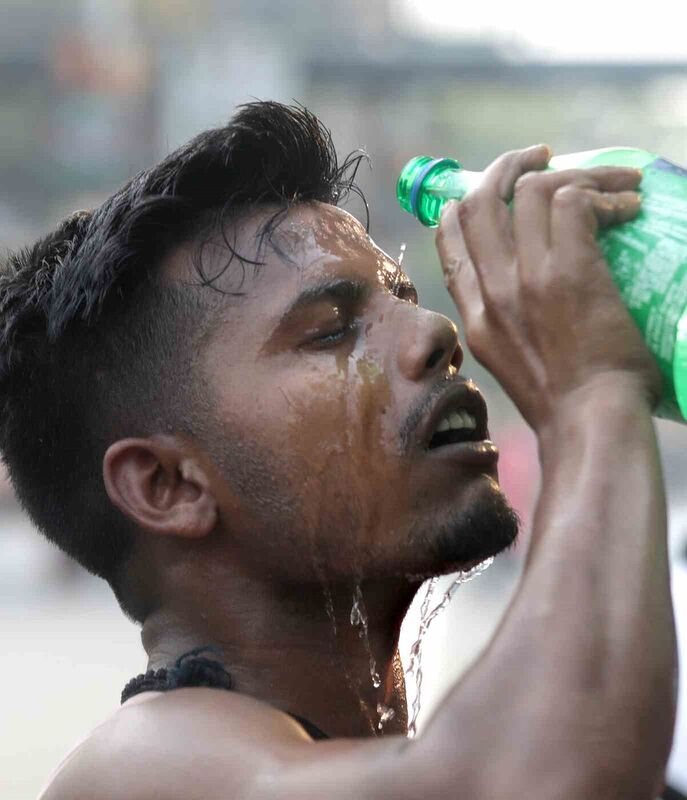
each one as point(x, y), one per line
point(428, 345)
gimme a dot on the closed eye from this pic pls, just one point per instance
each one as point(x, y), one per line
point(334, 337)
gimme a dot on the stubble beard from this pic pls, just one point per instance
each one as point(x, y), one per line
point(470, 535)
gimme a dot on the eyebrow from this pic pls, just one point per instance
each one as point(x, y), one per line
point(339, 289)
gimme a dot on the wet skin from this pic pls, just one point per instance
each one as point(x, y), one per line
point(317, 383)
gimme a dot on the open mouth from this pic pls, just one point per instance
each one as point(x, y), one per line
point(455, 427)
point(459, 417)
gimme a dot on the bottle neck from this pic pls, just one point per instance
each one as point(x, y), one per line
point(453, 184)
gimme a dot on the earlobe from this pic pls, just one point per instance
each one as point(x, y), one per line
point(158, 485)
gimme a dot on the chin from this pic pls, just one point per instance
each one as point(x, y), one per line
point(466, 537)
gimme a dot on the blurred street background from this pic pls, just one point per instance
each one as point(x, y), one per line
point(91, 91)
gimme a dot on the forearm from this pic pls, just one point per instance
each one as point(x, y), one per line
point(574, 698)
point(599, 553)
point(581, 672)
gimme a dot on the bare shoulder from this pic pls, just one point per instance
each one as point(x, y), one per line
point(198, 742)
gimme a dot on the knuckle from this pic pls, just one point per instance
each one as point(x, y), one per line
point(468, 207)
point(567, 196)
point(454, 268)
point(529, 182)
point(509, 158)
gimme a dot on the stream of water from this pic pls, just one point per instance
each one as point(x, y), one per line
point(427, 617)
point(359, 620)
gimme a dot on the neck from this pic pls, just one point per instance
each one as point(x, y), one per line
point(296, 649)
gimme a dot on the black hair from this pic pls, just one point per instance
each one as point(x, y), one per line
point(96, 346)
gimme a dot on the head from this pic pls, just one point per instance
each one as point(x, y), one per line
point(221, 365)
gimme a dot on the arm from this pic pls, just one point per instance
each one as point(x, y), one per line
point(580, 675)
point(586, 655)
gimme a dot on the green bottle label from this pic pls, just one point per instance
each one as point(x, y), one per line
point(648, 260)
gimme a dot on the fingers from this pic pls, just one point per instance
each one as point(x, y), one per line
point(614, 179)
point(500, 176)
point(532, 202)
point(484, 213)
point(490, 236)
point(556, 216)
point(459, 272)
point(611, 209)
point(577, 214)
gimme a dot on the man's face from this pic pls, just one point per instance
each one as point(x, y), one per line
point(327, 382)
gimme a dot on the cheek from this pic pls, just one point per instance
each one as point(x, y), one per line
point(332, 482)
point(343, 434)
point(341, 416)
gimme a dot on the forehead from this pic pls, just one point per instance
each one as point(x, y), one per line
point(312, 227)
point(312, 242)
point(318, 241)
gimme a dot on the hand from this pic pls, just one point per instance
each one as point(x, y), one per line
point(538, 304)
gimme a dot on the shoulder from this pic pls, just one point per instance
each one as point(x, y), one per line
point(194, 742)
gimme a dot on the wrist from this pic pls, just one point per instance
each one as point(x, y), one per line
point(606, 404)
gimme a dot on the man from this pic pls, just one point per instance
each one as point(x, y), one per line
point(220, 395)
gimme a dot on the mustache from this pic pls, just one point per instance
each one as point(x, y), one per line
point(420, 410)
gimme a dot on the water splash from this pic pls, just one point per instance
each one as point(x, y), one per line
point(401, 254)
point(352, 685)
point(426, 619)
point(359, 620)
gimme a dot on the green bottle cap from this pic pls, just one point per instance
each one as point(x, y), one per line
point(412, 177)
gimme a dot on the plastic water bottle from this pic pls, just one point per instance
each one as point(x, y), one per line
point(647, 256)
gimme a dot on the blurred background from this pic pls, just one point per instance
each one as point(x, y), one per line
point(91, 91)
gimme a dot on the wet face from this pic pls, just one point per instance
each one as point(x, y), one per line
point(327, 384)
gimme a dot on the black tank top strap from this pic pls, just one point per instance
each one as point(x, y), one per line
point(312, 730)
point(193, 669)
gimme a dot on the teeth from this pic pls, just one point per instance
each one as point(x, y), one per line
point(457, 420)
point(468, 420)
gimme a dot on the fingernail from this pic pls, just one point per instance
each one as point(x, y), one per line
point(546, 148)
point(628, 200)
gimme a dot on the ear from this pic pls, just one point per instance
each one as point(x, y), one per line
point(160, 486)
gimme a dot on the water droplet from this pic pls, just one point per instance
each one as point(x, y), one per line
point(357, 615)
point(401, 254)
point(329, 608)
point(426, 618)
point(385, 714)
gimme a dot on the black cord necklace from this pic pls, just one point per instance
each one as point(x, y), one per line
point(190, 669)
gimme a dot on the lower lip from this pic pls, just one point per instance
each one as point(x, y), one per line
point(482, 454)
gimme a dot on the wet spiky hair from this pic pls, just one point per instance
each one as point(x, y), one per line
point(94, 346)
